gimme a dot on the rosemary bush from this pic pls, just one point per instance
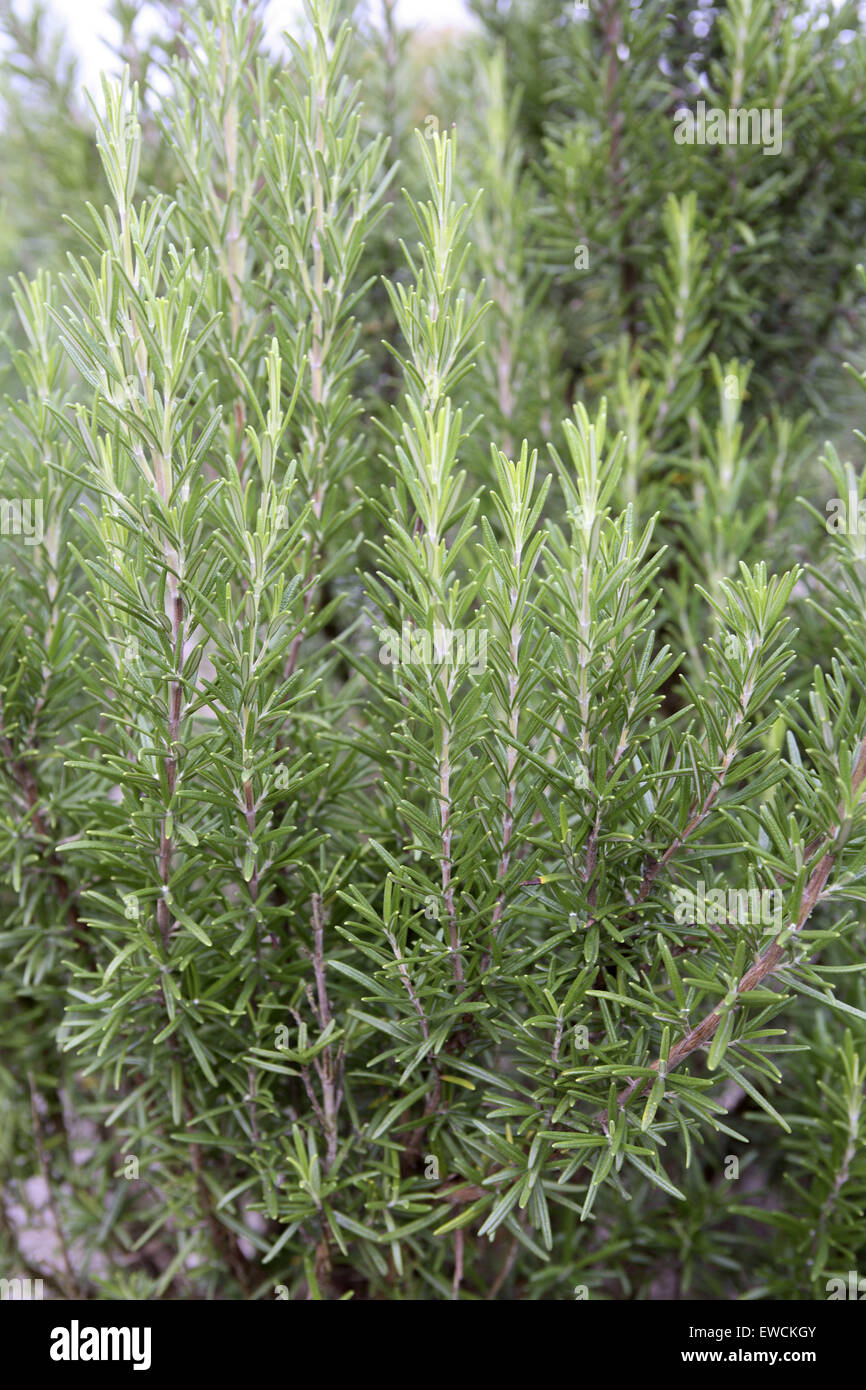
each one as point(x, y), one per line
point(433, 734)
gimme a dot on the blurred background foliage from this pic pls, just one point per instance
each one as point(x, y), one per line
point(710, 299)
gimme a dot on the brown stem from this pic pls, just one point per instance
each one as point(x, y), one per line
point(763, 966)
point(445, 824)
point(328, 1066)
point(166, 841)
point(507, 1266)
point(224, 1242)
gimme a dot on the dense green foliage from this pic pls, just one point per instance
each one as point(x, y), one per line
point(433, 729)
